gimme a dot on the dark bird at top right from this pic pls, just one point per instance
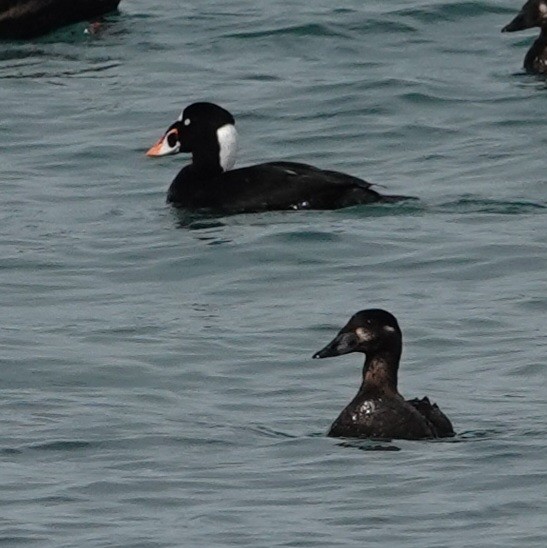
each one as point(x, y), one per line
point(533, 14)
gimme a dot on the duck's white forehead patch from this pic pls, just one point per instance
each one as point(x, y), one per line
point(180, 117)
point(542, 8)
point(227, 142)
point(363, 334)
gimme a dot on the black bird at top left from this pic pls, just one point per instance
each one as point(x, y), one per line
point(21, 19)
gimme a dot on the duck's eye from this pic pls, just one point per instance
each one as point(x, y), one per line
point(186, 122)
point(172, 138)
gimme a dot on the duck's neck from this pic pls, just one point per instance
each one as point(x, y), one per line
point(216, 151)
point(380, 371)
point(536, 50)
point(206, 161)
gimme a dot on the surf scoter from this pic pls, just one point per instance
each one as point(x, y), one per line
point(533, 14)
point(30, 18)
point(378, 410)
point(208, 132)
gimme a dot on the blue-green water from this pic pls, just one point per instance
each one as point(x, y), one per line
point(156, 382)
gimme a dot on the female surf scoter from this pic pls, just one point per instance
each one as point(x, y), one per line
point(208, 132)
point(378, 410)
point(30, 18)
point(533, 14)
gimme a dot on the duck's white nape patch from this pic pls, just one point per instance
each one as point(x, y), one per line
point(227, 142)
point(542, 9)
point(389, 329)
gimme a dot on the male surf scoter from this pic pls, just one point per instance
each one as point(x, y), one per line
point(30, 18)
point(533, 14)
point(378, 410)
point(208, 132)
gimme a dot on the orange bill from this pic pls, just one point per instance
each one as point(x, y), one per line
point(156, 149)
point(163, 147)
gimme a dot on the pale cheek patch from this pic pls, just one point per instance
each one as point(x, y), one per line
point(363, 335)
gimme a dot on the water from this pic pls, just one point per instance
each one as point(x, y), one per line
point(157, 387)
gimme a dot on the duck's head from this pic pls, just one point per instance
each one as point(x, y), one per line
point(367, 331)
point(532, 14)
point(205, 130)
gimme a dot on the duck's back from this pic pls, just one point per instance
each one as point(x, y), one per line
point(381, 417)
point(437, 419)
point(272, 186)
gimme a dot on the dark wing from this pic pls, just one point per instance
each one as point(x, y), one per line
point(291, 185)
point(325, 175)
point(432, 413)
point(343, 189)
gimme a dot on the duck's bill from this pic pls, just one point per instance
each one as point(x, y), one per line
point(343, 343)
point(168, 144)
point(518, 23)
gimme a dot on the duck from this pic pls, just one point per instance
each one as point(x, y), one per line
point(208, 132)
point(20, 19)
point(533, 14)
point(378, 411)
